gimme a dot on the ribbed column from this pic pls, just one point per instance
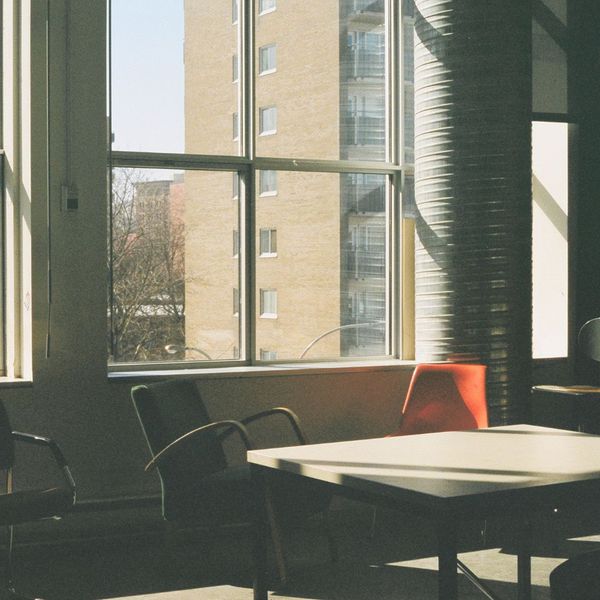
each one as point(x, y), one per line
point(473, 191)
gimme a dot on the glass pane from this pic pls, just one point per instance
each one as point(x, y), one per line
point(321, 290)
point(164, 57)
point(173, 271)
point(328, 85)
point(549, 46)
point(550, 239)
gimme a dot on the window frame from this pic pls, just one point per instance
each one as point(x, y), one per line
point(264, 51)
point(248, 166)
point(262, 111)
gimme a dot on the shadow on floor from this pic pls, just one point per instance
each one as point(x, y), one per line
point(398, 562)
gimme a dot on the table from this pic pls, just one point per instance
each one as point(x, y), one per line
point(446, 477)
point(582, 400)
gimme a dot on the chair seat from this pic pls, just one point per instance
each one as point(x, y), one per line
point(20, 507)
point(577, 578)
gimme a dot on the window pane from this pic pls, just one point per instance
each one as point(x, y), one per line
point(330, 267)
point(164, 58)
point(267, 120)
point(172, 268)
point(329, 87)
point(268, 183)
point(550, 239)
point(266, 5)
point(549, 66)
point(267, 59)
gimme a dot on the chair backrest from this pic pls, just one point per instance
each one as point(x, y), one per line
point(167, 410)
point(445, 397)
point(7, 442)
point(588, 339)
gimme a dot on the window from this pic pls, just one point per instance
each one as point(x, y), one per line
point(236, 126)
point(550, 251)
point(234, 68)
point(268, 304)
point(267, 59)
point(265, 6)
point(236, 302)
point(268, 242)
point(236, 186)
point(268, 354)
point(268, 183)
point(333, 165)
point(267, 123)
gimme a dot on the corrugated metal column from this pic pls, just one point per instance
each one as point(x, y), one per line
point(473, 191)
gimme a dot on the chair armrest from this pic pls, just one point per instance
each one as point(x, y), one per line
point(175, 445)
point(56, 453)
point(280, 410)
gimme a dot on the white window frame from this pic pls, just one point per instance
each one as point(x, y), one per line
point(271, 6)
point(262, 112)
point(269, 248)
point(268, 303)
point(264, 179)
point(267, 54)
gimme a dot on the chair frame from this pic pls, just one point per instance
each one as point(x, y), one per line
point(231, 426)
point(61, 462)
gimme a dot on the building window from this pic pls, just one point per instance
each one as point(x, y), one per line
point(172, 216)
point(268, 242)
point(234, 68)
point(235, 126)
point(234, 11)
point(267, 120)
point(268, 304)
point(267, 59)
point(236, 186)
point(268, 183)
point(268, 354)
point(236, 302)
point(265, 6)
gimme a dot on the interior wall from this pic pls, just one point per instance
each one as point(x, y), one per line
point(71, 398)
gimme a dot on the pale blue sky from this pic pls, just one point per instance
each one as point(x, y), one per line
point(147, 75)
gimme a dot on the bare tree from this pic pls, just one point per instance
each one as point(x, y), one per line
point(146, 267)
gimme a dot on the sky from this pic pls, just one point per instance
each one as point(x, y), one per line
point(147, 75)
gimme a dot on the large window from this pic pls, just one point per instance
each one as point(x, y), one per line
point(198, 152)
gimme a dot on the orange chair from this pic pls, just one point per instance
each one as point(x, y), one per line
point(444, 397)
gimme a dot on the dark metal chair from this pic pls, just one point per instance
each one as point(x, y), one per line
point(30, 504)
point(200, 486)
point(578, 578)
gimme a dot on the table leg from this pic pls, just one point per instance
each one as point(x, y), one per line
point(447, 577)
point(524, 561)
point(261, 530)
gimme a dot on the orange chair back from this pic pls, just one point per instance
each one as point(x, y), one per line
point(445, 397)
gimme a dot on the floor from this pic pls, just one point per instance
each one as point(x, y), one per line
point(133, 561)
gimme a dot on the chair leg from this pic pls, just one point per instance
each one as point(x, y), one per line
point(371, 533)
point(333, 549)
point(277, 538)
point(8, 568)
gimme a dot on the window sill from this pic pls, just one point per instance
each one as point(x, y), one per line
point(271, 370)
point(12, 382)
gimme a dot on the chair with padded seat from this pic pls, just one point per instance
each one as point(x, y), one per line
point(200, 484)
point(28, 505)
